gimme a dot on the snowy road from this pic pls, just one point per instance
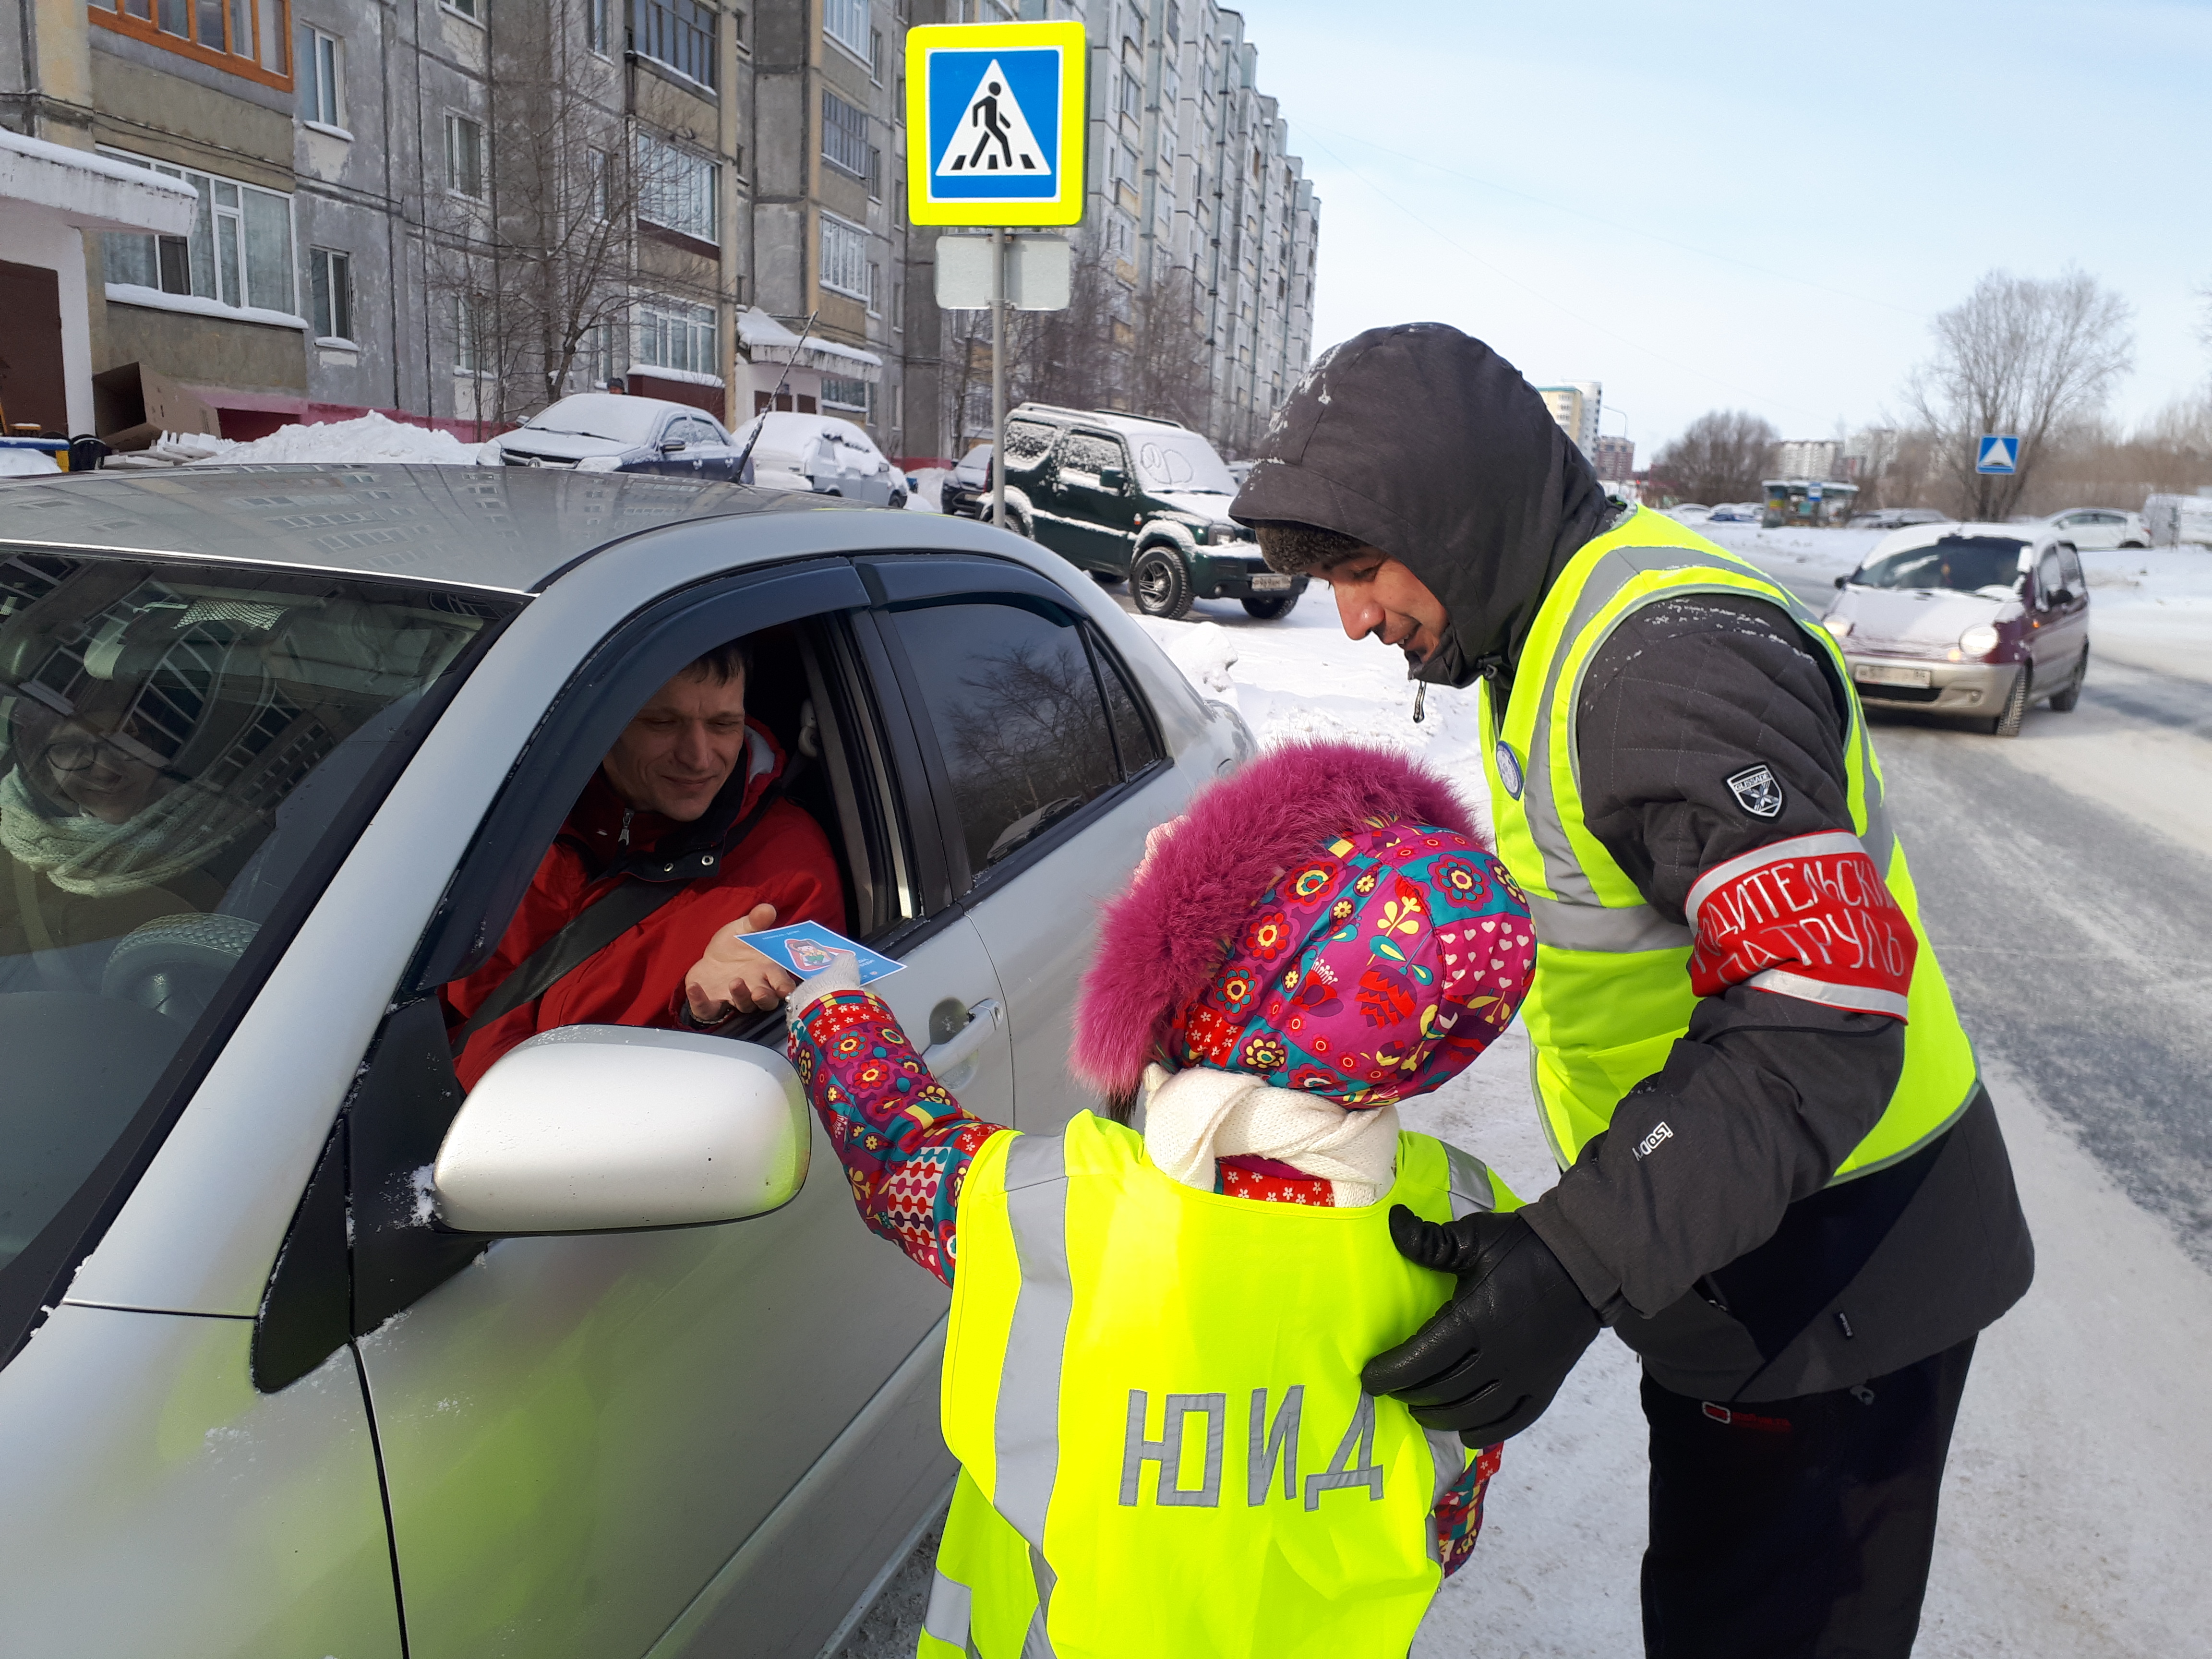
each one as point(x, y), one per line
point(2067, 880)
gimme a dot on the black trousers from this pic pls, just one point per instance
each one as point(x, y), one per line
point(1797, 1529)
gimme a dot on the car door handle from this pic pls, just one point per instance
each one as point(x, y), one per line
point(953, 1061)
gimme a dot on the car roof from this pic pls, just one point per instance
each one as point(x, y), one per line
point(503, 529)
point(589, 401)
point(1927, 535)
point(1112, 420)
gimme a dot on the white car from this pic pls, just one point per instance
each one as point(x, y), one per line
point(822, 453)
point(2088, 527)
point(609, 432)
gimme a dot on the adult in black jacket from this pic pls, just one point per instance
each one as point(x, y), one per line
point(1794, 1465)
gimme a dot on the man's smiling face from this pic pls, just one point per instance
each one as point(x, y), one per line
point(1378, 597)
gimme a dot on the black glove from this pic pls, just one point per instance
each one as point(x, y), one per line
point(1489, 1361)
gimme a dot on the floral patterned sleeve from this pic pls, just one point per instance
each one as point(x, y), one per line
point(905, 1143)
point(1457, 1518)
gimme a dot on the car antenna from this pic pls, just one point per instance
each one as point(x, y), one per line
point(760, 420)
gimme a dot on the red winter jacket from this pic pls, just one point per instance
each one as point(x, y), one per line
point(638, 980)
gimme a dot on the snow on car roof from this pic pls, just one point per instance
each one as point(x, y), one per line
point(503, 529)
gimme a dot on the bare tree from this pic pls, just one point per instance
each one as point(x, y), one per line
point(2018, 356)
point(1165, 369)
point(1722, 456)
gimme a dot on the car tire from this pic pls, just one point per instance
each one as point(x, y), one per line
point(2062, 703)
point(1274, 605)
point(1159, 583)
point(2126, 544)
point(897, 500)
point(2007, 725)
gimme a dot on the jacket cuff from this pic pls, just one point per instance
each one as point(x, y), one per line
point(1598, 1284)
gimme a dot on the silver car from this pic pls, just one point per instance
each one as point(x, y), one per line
point(305, 1354)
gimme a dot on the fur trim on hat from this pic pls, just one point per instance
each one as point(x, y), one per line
point(1163, 941)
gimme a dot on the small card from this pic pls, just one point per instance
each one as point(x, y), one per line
point(805, 948)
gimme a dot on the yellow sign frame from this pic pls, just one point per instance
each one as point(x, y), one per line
point(924, 205)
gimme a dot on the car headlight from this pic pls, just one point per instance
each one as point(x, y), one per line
point(1838, 627)
point(1979, 641)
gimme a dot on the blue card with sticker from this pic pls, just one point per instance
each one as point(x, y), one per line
point(805, 948)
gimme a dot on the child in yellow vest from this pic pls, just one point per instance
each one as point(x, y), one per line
point(1151, 1375)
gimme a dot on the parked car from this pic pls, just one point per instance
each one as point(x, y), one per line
point(822, 452)
point(1896, 518)
point(1688, 512)
point(1738, 512)
point(608, 431)
point(2100, 527)
point(966, 491)
point(1124, 495)
point(292, 1335)
point(1969, 619)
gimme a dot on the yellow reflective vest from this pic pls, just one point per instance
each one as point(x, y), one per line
point(1154, 1395)
point(1611, 989)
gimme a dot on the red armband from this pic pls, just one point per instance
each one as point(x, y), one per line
point(1810, 917)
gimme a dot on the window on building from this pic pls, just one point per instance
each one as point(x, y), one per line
point(472, 9)
point(844, 136)
point(321, 59)
point(467, 318)
point(595, 25)
point(678, 189)
point(846, 21)
point(238, 253)
point(849, 395)
point(845, 267)
point(1132, 96)
point(245, 37)
point(678, 34)
point(875, 286)
point(876, 56)
point(678, 335)
point(465, 156)
point(598, 184)
point(329, 286)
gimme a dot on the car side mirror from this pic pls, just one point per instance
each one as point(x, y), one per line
point(1842, 582)
point(670, 445)
point(1113, 478)
point(610, 1128)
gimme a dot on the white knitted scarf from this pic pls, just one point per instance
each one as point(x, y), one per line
point(1194, 1118)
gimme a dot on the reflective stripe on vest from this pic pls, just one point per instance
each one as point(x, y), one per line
point(1612, 991)
point(1154, 1395)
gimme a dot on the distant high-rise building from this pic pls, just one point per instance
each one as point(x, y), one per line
point(1807, 457)
point(1575, 404)
point(1613, 457)
point(1869, 452)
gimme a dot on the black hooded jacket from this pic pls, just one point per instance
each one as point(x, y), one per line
point(1741, 1275)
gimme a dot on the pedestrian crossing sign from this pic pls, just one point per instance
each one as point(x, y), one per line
point(994, 123)
point(1996, 453)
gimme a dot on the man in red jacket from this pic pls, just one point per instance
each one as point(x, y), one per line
point(688, 776)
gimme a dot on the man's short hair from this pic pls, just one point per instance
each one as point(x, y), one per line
point(1295, 549)
point(732, 660)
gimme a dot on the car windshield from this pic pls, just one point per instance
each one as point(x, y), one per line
point(1965, 563)
point(602, 415)
point(1179, 461)
point(182, 742)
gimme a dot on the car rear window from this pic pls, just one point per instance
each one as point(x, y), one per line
point(181, 741)
point(1964, 563)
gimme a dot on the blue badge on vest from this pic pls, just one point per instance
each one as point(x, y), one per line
point(1509, 769)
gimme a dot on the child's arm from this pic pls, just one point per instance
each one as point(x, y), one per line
point(1457, 1518)
point(905, 1143)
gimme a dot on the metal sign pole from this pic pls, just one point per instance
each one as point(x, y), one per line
point(999, 240)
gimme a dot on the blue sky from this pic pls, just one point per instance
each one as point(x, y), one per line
point(1759, 206)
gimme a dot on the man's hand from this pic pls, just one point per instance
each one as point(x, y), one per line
point(1491, 1359)
point(733, 978)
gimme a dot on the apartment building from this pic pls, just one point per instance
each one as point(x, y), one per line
point(1808, 458)
point(1576, 404)
point(1613, 457)
point(459, 210)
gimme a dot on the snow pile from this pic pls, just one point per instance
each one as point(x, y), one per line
point(368, 438)
point(924, 495)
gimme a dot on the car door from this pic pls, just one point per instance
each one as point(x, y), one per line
point(2047, 633)
point(696, 1440)
point(2071, 621)
point(1095, 484)
point(1051, 770)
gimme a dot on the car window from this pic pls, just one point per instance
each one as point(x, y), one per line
point(1132, 733)
point(1181, 461)
point(696, 431)
point(1964, 563)
point(1018, 716)
point(2048, 580)
point(2070, 566)
point(182, 744)
point(1087, 455)
point(1028, 442)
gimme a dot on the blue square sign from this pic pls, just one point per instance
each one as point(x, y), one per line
point(1998, 454)
point(995, 124)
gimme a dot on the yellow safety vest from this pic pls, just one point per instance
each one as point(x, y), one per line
point(1612, 990)
point(1154, 1395)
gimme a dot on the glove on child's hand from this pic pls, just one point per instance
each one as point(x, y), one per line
point(1490, 1361)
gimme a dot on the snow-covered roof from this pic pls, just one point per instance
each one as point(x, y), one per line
point(92, 192)
point(768, 341)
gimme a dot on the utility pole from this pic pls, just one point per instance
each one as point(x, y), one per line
point(999, 241)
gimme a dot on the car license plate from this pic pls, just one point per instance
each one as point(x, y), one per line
point(1875, 673)
point(1270, 581)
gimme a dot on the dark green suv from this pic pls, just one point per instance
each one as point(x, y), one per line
point(1124, 495)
